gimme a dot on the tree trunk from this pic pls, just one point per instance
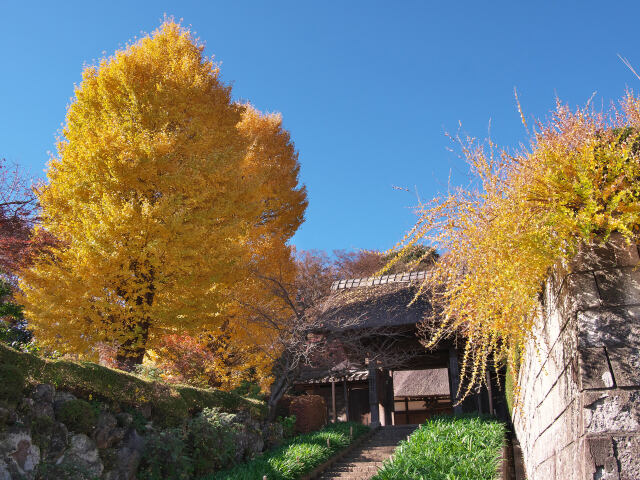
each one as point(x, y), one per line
point(278, 389)
point(131, 352)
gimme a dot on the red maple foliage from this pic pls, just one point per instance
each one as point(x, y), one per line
point(17, 214)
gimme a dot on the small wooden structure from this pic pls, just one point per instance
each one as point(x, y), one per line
point(388, 378)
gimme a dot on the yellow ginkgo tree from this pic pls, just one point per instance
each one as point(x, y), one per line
point(155, 198)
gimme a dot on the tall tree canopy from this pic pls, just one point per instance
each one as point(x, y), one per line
point(160, 192)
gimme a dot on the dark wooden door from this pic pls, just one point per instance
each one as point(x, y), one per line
point(359, 409)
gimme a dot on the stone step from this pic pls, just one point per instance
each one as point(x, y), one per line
point(365, 461)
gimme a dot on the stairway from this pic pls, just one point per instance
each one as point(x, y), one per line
point(364, 462)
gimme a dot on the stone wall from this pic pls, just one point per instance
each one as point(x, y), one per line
point(579, 416)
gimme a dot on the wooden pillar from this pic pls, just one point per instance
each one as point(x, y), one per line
point(490, 393)
point(454, 379)
point(373, 395)
point(345, 392)
point(333, 401)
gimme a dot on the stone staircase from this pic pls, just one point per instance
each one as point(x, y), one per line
point(364, 462)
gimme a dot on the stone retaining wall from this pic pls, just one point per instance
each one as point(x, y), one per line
point(580, 411)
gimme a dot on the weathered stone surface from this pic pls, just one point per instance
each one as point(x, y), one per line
point(7, 416)
point(625, 363)
point(4, 471)
point(579, 416)
point(19, 454)
point(601, 459)
point(43, 393)
point(619, 286)
point(128, 457)
point(83, 455)
point(60, 398)
point(107, 432)
point(42, 409)
point(594, 368)
point(611, 410)
point(628, 456)
point(579, 292)
point(58, 442)
point(608, 328)
point(125, 420)
point(616, 252)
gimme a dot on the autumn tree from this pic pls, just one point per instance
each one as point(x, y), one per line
point(526, 213)
point(17, 214)
point(155, 197)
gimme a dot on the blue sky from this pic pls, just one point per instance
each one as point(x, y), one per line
point(367, 88)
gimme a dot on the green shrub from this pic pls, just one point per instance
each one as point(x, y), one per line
point(166, 456)
point(212, 441)
point(48, 471)
point(78, 415)
point(170, 404)
point(12, 383)
point(249, 390)
point(41, 428)
point(296, 457)
point(444, 448)
point(288, 426)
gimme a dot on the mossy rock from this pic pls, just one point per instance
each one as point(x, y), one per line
point(12, 384)
point(78, 415)
point(169, 404)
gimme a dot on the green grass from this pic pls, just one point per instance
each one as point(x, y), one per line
point(170, 404)
point(448, 448)
point(296, 457)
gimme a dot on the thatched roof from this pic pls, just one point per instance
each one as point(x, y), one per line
point(421, 383)
point(376, 304)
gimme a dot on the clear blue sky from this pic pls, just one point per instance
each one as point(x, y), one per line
point(367, 88)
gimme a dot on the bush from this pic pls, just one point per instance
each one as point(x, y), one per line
point(78, 415)
point(310, 412)
point(12, 383)
point(166, 456)
point(212, 441)
point(249, 389)
point(84, 379)
point(296, 457)
point(521, 216)
point(443, 448)
point(288, 426)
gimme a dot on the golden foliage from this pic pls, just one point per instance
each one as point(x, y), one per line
point(161, 190)
point(578, 181)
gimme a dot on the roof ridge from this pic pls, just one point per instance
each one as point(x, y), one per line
point(404, 277)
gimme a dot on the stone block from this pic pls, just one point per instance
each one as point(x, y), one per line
point(600, 458)
point(579, 292)
point(616, 252)
point(625, 363)
point(620, 286)
point(566, 461)
point(594, 369)
point(614, 327)
point(611, 410)
point(545, 470)
point(627, 450)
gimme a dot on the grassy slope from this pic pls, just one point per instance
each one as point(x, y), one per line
point(296, 457)
point(169, 403)
point(446, 448)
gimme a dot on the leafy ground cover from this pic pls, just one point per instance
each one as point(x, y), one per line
point(296, 457)
point(170, 404)
point(448, 448)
